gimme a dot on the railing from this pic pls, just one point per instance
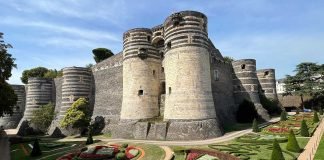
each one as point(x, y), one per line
point(312, 145)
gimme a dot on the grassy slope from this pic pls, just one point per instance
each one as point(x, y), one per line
point(320, 150)
point(152, 152)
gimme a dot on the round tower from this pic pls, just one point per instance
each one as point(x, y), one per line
point(187, 68)
point(76, 84)
point(267, 81)
point(11, 122)
point(141, 75)
point(246, 84)
point(39, 92)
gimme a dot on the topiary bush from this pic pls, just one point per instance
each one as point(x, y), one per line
point(283, 116)
point(36, 149)
point(320, 111)
point(78, 115)
point(120, 156)
point(246, 112)
point(315, 118)
point(124, 145)
point(292, 144)
point(255, 127)
point(276, 152)
point(89, 139)
point(304, 129)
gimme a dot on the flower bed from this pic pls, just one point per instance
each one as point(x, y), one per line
point(195, 154)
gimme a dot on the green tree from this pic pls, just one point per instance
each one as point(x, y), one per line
point(53, 73)
point(283, 116)
point(228, 59)
point(101, 54)
point(315, 117)
point(255, 127)
point(292, 144)
point(77, 115)
point(306, 81)
point(36, 149)
point(8, 98)
point(34, 72)
point(42, 118)
point(304, 129)
point(276, 152)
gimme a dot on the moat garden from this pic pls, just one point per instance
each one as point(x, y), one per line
point(286, 138)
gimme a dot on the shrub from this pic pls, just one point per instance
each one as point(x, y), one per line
point(271, 105)
point(77, 115)
point(255, 127)
point(42, 118)
point(283, 116)
point(276, 152)
point(315, 118)
point(125, 145)
point(320, 111)
point(304, 129)
point(120, 156)
point(89, 139)
point(292, 144)
point(36, 149)
point(246, 112)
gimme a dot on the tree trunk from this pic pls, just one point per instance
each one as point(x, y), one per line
point(302, 102)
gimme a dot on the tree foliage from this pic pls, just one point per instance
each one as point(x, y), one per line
point(292, 144)
point(34, 72)
point(53, 73)
point(276, 152)
point(8, 98)
point(246, 112)
point(308, 80)
point(78, 115)
point(101, 54)
point(271, 105)
point(304, 129)
point(228, 59)
point(43, 117)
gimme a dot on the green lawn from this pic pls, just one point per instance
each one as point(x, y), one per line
point(151, 151)
point(17, 152)
point(320, 150)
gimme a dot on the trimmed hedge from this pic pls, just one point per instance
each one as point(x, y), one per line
point(276, 152)
point(292, 144)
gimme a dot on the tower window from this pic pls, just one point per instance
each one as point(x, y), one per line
point(266, 73)
point(169, 90)
point(243, 66)
point(162, 69)
point(154, 73)
point(140, 92)
point(216, 77)
point(169, 45)
point(149, 38)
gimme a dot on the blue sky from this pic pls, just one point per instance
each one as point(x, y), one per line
point(56, 33)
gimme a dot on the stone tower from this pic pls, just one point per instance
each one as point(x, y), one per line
point(246, 84)
point(39, 92)
point(11, 122)
point(76, 84)
point(187, 68)
point(141, 75)
point(267, 81)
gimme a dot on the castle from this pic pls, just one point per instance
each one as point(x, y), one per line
point(169, 83)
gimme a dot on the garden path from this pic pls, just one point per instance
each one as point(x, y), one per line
point(168, 152)
point(224, 138)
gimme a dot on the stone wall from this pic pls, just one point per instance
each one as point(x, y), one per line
point(108, 89)
point(12, 121)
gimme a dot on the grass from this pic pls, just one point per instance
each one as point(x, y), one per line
point(320, 150)
point(151, 152)
point(17, 152)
